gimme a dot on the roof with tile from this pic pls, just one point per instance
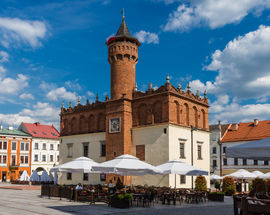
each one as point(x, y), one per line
point(40, 131)
point(224, 128)
point(13, 132)
point(247, 131)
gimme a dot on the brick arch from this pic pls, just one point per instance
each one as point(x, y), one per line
point(142, 114)
point(186, 108)
point(196, 118)
point(157, 112)
point(203, 119)
point(65, 127)
point(177, 111)
point(83, 124)
point(74, 125)
point(91, 123)
point(101, 122)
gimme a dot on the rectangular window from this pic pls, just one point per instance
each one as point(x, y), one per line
point(244, 162)
point(36, 145)
point(214, 163)
point(69, 150)
point(13, 145)
point(255, 162)
point(225, 161)
point(5, 145)
point(51, 158)
point(0, 158)
point(85, 149)
point(13, 160)
point(51, 147)
point(266, 163)
point(26, 159)
point(1, 145)
point(44, 146)
point(214, 150)
point(22, 159)
point(224, 149)
point(140, 152)
point(43, 158)
point(4, 159)
point(69, 176)
point(26, 146)
point(182, 179)
point(85, 176)
point(102, 177)
point(199, 152)
point(235, 161)
point(102, 148)
point(36, 157)
point(22, 146)
point(182, 150)
point(57, 158)
point(57, 147)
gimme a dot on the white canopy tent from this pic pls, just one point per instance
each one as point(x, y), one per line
point(215, 177)
point(257, 150)
point(242, 174)
point(45, 177)
point(24, 176)
point(79, 165)
point(258, 173)
point(34, 176)
point(178, 167)
point(265, 176)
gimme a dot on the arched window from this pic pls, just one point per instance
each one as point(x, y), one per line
point(186, 114)
point(195, 116)
point(83, 125)
point(203, 119)
point(74, 125)
point(157, 112)
point(177, 111)
point(101, 122)
point(142, 114)
point(91, 123)
point(65, 127)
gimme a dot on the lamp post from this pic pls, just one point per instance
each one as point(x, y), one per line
point(192, 129)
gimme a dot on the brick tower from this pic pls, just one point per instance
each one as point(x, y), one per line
point(123, 57)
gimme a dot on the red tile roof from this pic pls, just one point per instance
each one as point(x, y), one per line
point(41, 131)
point(247, 132)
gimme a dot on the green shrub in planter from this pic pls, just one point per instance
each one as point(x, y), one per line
point(228, 186)
point(217, 185)
point(119, 185)
point(259, 185)
point(120, 200)
point(200, 183)
point(216, 196)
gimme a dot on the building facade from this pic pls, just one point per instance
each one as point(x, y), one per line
point(45, 145)
point(156, 125)
point(15, 153)
point(238, 133)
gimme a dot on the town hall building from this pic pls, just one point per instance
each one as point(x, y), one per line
point(156, 126)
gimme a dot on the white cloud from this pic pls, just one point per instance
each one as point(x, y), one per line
point(2, 70)
point(41, 112)
point(61, 93)
point(15, 30)
point(90, 94)
point(12, 86)
point(147, 37)
point(3, 57)
point(212, 13)
point(26, 96)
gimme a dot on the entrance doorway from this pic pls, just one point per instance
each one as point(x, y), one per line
point(4, 176)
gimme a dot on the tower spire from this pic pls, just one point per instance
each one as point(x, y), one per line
point(123, 29)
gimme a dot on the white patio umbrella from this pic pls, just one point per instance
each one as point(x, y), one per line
point(265, 176)
point(34, 176)
point(55, 178)
point(24, 176)
point(178, 167)
point(126, 165)
point(45, 177)
point(258, 173)
point(215, 177)
point(79, 165)
point(242, 174)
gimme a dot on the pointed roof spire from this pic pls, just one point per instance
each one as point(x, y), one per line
point(123, 29)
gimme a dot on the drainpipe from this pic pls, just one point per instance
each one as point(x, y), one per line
point(220, 149)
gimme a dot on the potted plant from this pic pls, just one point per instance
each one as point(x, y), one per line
point(216, 196)
point(228, 187)
point(217, 185)
point(200, 183)
point(120, 200)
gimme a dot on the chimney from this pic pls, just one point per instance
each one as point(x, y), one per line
point(256, 122)
point(235, 127)
point(37, 123)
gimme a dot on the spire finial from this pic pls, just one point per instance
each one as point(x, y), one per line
point(168, 79)
point(123, 13)
point(70, 104)
point(79, 100)
point(197, 93)
point(179, 86)
point(150, 86)
point(97, 98)
point(136, 87)
point(188, 87)
point(205, 93)
point(63, 104)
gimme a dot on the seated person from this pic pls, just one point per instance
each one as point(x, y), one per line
point(111, 187)
point(79, 187)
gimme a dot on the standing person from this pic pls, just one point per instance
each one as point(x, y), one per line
point(79, 187)
point(111, 187)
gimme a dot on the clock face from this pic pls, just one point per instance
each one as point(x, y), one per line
point(114, 125)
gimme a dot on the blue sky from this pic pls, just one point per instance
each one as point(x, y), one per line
point(52, 51)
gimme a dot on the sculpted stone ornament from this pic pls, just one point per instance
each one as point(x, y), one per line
point(114, 125)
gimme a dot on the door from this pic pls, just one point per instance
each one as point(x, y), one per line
point(4, 176)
